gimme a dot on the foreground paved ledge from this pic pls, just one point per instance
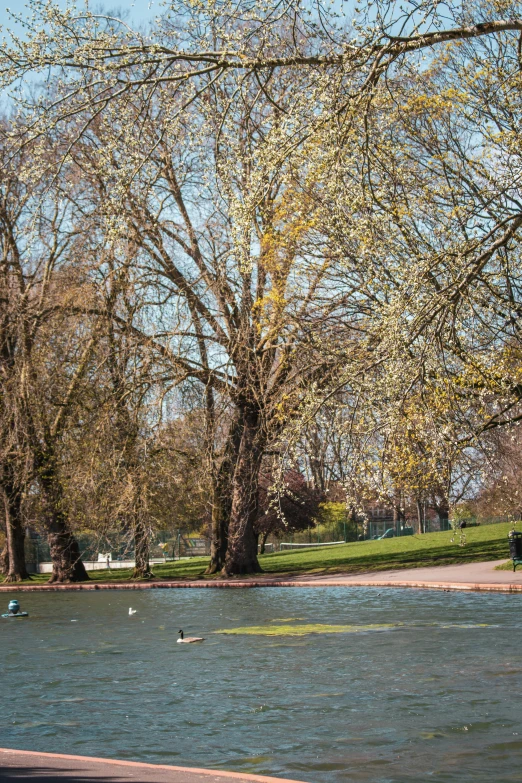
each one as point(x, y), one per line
point(478, 577)
point(16, 765)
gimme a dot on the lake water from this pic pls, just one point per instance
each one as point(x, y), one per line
point(433, 695)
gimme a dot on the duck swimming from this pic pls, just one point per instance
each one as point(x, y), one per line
point(189, 639)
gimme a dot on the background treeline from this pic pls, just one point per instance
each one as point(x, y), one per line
point(233, 270)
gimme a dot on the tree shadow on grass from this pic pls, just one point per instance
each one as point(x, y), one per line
point(36, 774)
point(451, 554)
point(63, 771)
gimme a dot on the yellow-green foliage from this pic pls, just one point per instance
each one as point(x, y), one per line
point(462, 513)
point(329, 522)
point(332, 513)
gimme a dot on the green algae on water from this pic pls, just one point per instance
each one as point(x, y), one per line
point(304, 630)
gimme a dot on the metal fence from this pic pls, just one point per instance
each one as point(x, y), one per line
point(166, 545)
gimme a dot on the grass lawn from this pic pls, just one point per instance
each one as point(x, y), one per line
point(507, 566)
point(482, 543)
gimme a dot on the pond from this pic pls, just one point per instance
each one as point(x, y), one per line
point(414, 685)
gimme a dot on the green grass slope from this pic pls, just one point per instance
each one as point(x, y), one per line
point(432, 549)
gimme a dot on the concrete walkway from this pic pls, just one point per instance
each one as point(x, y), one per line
point(22, 765)
point(470, 576)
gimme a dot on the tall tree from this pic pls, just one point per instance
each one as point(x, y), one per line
point(42, 364)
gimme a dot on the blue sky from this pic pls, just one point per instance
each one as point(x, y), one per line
point(140, 11)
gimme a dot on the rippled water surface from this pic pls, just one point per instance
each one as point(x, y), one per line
point(435, 694)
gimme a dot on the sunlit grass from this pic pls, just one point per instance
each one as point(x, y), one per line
point(431, 549)
point(507, 566)
point(481, 543)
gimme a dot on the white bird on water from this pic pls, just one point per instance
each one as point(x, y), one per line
point(132, 611)
point(189, 639)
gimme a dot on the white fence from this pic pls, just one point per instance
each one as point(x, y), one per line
point(311, 545)
point(90, 565)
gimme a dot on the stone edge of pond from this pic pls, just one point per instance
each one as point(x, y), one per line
point(498, 587)
point(177, 774)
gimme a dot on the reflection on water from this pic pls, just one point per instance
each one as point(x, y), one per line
point(427, 688)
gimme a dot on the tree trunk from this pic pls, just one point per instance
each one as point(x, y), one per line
point(442, 511)
point(264, 537)
point(65, 552)
point(420, 516)
point(241, 556)
point(4, 559)
point(398, 514)
point(16, 569)
point(222, 499)
point(219, 535)
point(15, 540)
point(141, 552)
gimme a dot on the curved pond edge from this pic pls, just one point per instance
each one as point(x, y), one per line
point(96, 767)
point(495, 587)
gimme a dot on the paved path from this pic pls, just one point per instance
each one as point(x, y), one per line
point(21, 765)
point(470, 576)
